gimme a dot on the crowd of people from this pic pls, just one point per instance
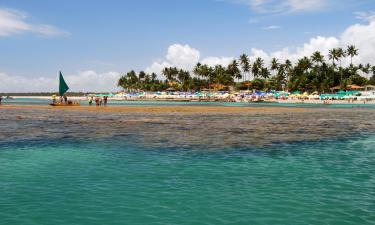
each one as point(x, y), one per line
point(98, 100)
point(63, 99)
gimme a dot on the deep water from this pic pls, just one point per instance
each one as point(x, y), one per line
point(79, 176)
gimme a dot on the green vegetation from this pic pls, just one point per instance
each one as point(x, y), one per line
point(314, 73)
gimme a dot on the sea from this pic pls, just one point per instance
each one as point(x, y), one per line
point(315, 166)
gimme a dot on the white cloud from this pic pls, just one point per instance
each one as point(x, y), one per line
point(83, 81)
point(213, 61)
point(282, 6)
point(14, 22)
point(272, 27)
point(366, 16)
point(157, 67)
point(185, 57)
point(363, 37)
point(360, 35)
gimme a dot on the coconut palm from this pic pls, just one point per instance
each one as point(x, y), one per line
point(257, 66)
point(197, 70)
point(351, 51)
point(317, 57)
point(153, 77)
point(366, 68)
point(245, 65)
point(274, 64)
point(333, 55)
point(265, 73)
point(340, 54)
point(141, 75)
point(170, 73)
point(234, 71)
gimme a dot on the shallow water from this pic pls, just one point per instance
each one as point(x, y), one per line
point(315, 167)
point(36, 101)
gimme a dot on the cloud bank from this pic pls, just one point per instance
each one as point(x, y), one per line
point(185, 57)
point(360, 35)
point(14, 22)
point(84, 81)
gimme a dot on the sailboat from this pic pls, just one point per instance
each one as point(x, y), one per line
point(63, 88)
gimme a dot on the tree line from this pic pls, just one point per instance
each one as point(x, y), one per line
point(310, 73)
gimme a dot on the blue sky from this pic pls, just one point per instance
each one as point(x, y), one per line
point(116, 36)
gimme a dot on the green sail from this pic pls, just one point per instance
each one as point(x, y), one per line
point(63, 87)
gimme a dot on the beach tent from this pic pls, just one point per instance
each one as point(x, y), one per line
point(314, 96)
point(355, 87)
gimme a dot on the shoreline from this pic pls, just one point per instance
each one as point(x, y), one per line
point(218, 100)
point(172, 109)
point(162, 109)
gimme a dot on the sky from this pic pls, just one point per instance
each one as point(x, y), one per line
point(93, 42)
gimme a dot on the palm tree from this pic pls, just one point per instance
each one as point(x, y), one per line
point(281, 76)
point(340, 54)
point(183, 76)
point(351, 51)
point(317, 57)
point(170, 73)
point(366, 69)
point(153, 77)
point(333, 55)
point(197, 70)
point(141, 75)
point(265, 73)
point(274, 64)
point(257, 66)
point(234, 70)
point(304, 64)
point(288, 68)
point(245, 64)
point(123, 82)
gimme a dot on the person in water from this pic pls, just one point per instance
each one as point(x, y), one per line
point(105, 100)
point(65, 99)
point(90, 100)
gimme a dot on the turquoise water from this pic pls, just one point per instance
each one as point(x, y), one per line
point(187, 169)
